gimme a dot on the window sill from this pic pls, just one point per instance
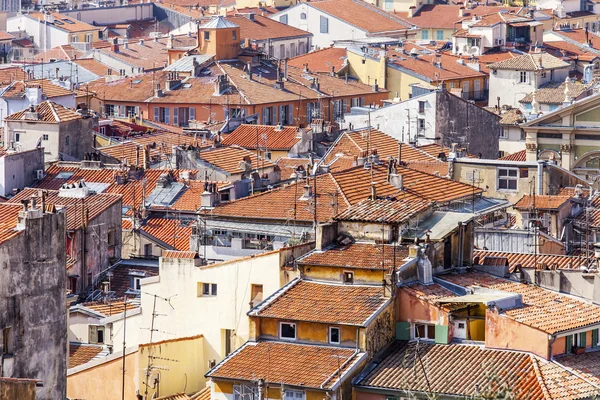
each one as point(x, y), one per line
point(288, 339)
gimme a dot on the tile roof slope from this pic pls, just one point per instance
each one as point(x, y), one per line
point(424, 63)
point(358, 255)
point(150, 55)
point(120, 282)
point(287, 166)
point(179, 254)
point(321, 61)
point(382, 210)
point(330, 85)
point(228, 158)
point(554, 92)
point(530, 62)
point(173, 232)
point(446, 16)
point(92, 65)
point(541, 202)
point(264, 28)
point(113, 307)
point(526, 375)
point(291, 364)
point(542, 309)
point(80, 353)
point(9, 214)
point(49, 112)
point(362, 15)
point(263, 136)
point(518, 156)
point(323, 303)
point(94, 204)
point(191, 198)
point(278, 204)
point(17, 89)
point(65, 22)
point(62, 52)
point(11, 74)
point(552, 261)
point(5, 35)
point(586, 365)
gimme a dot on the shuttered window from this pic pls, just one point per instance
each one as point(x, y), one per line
point(156, 115)
point(324, 24)
point(595, 338)
point(176, 116)
point(283, 19)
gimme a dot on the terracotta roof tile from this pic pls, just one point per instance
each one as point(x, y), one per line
point(66, 23)
point(179, 254)
point(516, 260)
point(191, 198)
point(151, 55)
point(82, 353)
point(518, 156)
point(291, 364)
point(121, 282)
point(92, 65)
point(11, 74)
point(62, 52)
point(323, 303)
point(530, 62)
point(289, 165)
point(9, 214)
point(48, 112)
point(542, 309)
point(447, 373)
point(228, 159)
point(446, 16)
point(264, 28)
point(363, 15)
point(173, 232)
point(94, 204)
point(113, 307)
point(321, 61)
point(554, 93)
point(263, 136)
point(541, 202)
point(358, 255)
point(382, 210)
point(17, 89)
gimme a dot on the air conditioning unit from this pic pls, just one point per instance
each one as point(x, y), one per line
point(39, 174)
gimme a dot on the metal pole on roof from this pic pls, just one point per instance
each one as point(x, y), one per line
point(124, 327)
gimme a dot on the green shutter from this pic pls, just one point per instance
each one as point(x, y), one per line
point(582, 337)
point(402, 330)
point(569, 343)
point(595, 338)
point(441, 334)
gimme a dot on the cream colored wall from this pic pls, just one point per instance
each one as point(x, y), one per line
point(399, 82)
point(184, 374)
point(79, 327)
point(361, 275)
point(310, 332)
point(104, 381)
point(369, 71)
point(224, 391)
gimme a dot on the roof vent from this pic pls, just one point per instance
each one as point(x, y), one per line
point(77, 190)
point(307, 192)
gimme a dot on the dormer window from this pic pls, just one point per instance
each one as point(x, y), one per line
point(206, 35)
point(348, 277)
point(287, 331)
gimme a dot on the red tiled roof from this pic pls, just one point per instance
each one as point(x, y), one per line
point(382, 210)
point(541, 202)
point(446, 16)
point(518, 156)
point(179, 254)
point(173, 232)
point(263, 137)
point(66, 23)
point(358, 255)
point(516, 260)
point(362, 15)
point(542, 309)
point(62, 52)
point(17, 89)
point(463, 370)
point(291, 364)
point(113, 307)
point(121, 282)
point(11, 74)
point(264, 28)
point(288, 166)
point(82, 353)
point(321, 61)
point(92, 206)
point(228, 159)
point(324, 303)
point(9, 214)
point(48, 111)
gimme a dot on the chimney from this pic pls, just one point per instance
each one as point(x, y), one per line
point(411, 11)
point(461, 12)
point(115, 45)
point(424, 268)
point(332, 73)
point(396, 180)
point(285, 69)
point(438, 60)
point(31, 114)
point(170, 42)
point(141, 42)
point(249, 71)
point(208, 196)
point(375, 86)
point(77, 190)
point(307, 192)
point(158, 91)
point(126, 44)
point(373, 191)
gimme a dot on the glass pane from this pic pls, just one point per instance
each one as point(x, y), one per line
point(512, 185)
point(512, 172)
point(502, 184)
point(419, 331)
point(334, 335)
point(502, 172)
point(288, 331)
point(431, 332)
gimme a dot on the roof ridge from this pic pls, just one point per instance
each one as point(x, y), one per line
point(339, 188)
point(539, 376)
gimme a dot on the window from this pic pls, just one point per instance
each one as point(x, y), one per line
point(338, 110)
point(283, 19)
point(162, 114)
point(504, 133)
point(461, 325)
point(131, 111)
point(89, 38)
point(234, 35)
point(389, 4)
point(17, 137)
point(227, 341)
point(424, 331)
point(135, 283)
point(45, 137)
point(206, 35)
point(73, 39)
point(334, 335)
point(7, 340)
point(507, 178)
point(148, 249)
point(96, 334)
point(348, 277)
point(287, 330)
point(358, 102)
point(293, 395)
point(439, 35)
point(425, 35)
point(67, 140)
point(209, 289)
point(324, 24)
point(282, 51)
point(256, 293)
point(303, 15)
point(523, 135)
point(245, 392)
point(523, 77)
point(292, 50)
point(544, 74)
point(421, 124)
point(421, 107)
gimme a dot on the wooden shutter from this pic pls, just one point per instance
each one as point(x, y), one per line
point(402, 330)
point(582, 338)
point(441, 334)
point(192, 114)
point(176, 116)
point(595, 338)
point(569, 344)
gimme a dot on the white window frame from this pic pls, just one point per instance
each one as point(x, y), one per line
point(245, 392)
point(522, 76)
point(291, 394)
point(507, 177)
point(295, 331)
point(504, 133)
point(212, 289)
point(427, 328)
point(331, 328)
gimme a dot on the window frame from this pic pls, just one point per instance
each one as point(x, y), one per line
point(323, 24)
point(427, 332)
point(508, 178)
point(293, 393)
point(295, 338)
point(522, 76)
point(8, 341)
point(330, 330)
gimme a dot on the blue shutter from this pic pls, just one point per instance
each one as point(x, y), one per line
point(192, 114)
point(324, 24)
point(283, 19)
point(167, 115)
point(176, 116)
point(156, 114)
point(402, 330)
point(595, 338)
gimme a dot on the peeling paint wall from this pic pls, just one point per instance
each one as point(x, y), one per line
point(32, 303)
point(381, 331)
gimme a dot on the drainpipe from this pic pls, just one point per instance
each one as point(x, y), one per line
point(550, 346)
point(261, 389)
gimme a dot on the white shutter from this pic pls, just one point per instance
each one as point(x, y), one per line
point(156, 116)
point(192, 114)
point(93, 334)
